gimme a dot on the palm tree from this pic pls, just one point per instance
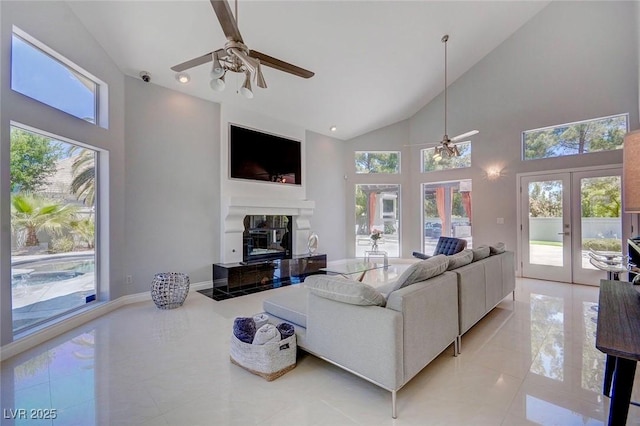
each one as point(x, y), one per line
point(34, 214)
point(83, 168)
point(84, 229)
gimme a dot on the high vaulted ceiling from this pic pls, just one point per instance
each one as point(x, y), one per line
point(375, 62)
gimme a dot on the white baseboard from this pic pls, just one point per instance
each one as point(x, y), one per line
point(78, 318)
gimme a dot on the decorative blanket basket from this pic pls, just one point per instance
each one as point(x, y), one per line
point(268, 361)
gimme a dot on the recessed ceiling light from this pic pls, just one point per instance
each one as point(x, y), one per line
point(183, 77)
point(333, 128)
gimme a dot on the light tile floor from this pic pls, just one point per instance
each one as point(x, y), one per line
point(531, 361)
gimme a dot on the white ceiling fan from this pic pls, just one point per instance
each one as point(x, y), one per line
point(447, 147)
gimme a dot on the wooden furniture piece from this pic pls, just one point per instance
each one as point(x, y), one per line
point(618, 336)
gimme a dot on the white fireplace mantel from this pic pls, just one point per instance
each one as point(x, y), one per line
point(236, 208)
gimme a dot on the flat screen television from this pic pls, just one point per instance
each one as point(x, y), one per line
point(264, 157)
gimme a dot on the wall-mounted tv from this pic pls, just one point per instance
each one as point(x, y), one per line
point(261, 156)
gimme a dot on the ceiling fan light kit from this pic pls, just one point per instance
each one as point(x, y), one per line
point(245, 90)
point(260, 82)
point(218, 84)
point(237, 57)
point(216, 69)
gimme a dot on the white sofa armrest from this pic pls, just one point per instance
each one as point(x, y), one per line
point(430, 318)
point(367, 340)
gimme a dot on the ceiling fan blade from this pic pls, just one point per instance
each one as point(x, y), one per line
point(196, 61)
point(280, 65)
point(424, 145)
point(226, 19)
point(465, 135)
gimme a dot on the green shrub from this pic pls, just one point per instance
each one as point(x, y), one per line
point(62, 245)
point(605, 244)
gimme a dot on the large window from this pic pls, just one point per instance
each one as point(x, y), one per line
point(377, 162)
point(53, 223)
point(430, 162)
point(378, 210)
point(40, 73)
point(447, 212)
point(600, 134)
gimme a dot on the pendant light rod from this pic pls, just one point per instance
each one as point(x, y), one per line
point(445, 38)
point(236, 7)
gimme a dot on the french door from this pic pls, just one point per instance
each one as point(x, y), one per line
point(563, 216)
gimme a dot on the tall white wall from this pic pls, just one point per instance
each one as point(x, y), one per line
point(573, 61)
point(177, 182)
point(54, 24)
point(173, 184)
point(327, 186)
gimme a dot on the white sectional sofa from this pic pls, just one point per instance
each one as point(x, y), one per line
point(388, 340)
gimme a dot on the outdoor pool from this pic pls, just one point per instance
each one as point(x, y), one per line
point(52, 269)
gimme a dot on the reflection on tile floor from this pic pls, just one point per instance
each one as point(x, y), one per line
point(532, 361)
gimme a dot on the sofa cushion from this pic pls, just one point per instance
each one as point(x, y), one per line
point(457, 260)
point(480, 252)
point(290, 305)
point(421, 271)
point(497, 248)
point(344, 290)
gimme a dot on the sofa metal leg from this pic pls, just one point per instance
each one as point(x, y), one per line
point(514, 294)
point(455, 347)
point(459, 344)
point(394, 412)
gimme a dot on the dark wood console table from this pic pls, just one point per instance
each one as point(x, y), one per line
point(618, 336)
point(241, 278)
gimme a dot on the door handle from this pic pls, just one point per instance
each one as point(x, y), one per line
point(564, 233)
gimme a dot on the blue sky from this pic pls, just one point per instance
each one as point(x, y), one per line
point(39, 76)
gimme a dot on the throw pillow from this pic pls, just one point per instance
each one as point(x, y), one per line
point(344, 290)
point(462, 258)
point(422, 270)
point(480, 253)
point(497, 248)
point(386, 288)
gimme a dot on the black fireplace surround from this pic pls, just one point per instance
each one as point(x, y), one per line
point(239, 279)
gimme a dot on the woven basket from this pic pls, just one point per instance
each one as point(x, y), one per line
point(268, 361)
point(169, 289)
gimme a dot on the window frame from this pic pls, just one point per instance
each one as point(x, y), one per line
point(444, 231)
point(101, 235)
point(398, 169)
point(567, 125)
point(363, 241)
point(101, 96)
